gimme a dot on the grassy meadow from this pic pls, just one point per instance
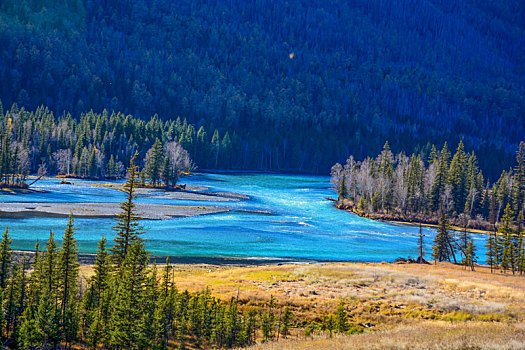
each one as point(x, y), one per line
point(390, 306)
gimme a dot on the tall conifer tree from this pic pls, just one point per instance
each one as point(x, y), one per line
point(127, 228)
point(68, 282)
point(5, 258)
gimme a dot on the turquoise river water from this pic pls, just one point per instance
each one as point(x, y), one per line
point(287, 216)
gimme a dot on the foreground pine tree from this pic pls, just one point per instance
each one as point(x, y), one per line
point(491, 251)
point(127, 228)
point(68, 283)
point(127, 313)
point(470, 255)
point(441, 250)
point(5, 258)
point(505, 244)
point(97, 299)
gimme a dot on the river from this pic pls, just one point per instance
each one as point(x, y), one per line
point(287, 216)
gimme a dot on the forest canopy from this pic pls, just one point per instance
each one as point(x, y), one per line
point(302, 83)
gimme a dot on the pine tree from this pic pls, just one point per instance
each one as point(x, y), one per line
point(68, 282)
point(49, 270)
point(457, 178)
point(215, 145)
point(127, 327)
point(20, 280)
point(167, 174)
point(518, 190)
point(5, 258)
point(441, 179)
point(111, 168)
point(520, 245)
point(342, 192)
point(286, 322)
point(92, 164)
point(127, 227)
point(11, 297)
point(47, 320)
point(505, 240)
point(151, 297)
point(100, 280)
point(155, 162)
point(96, 299)
point(28, 336)
point(226, 150)
point(442, 249)
point(385, 162)
point(341, 319)
point(470, 255)
point(491, 251)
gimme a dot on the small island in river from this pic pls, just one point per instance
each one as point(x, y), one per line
point(149, 211)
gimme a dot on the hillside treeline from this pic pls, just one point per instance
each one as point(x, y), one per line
point(301, 82)
point(100, 146)
point(419, 188)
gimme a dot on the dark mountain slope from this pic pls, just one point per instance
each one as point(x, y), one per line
point(302, 83)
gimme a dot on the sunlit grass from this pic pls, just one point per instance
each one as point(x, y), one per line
point(440, 304)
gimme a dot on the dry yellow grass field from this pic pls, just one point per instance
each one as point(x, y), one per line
point(399, 306)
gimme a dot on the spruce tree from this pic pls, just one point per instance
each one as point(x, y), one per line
point(490, 246)
point(518, 190)
point(470, 255)
point(127, 321)
point(20, 280)
point(96, 298)
point(49, 270)
point(520, 245)
point(341, 318)
point(155, 162)
point(100, 280)
point(111, 168)
point(68, 282)
point(47, 320)
point(441, 179)
point(457, 177)
point(342, 191)
point(286, 322)
point(505, 244)
point(11, 298)
point(92, 164)
point(215, 146)
point(441, 251)
point(127, 227)
point(5, 258)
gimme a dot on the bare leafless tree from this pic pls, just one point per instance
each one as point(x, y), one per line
point(177, 163)
point(63, 159)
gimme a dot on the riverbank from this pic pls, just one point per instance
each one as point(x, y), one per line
point(400, 220)
point(88, 259)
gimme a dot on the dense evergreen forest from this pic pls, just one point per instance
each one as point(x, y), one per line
point(100, 146)
point(421, 188)
point(128, 302)
point(301, 83)
point(442, 189)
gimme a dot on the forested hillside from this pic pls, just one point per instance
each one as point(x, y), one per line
point(302, 83)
